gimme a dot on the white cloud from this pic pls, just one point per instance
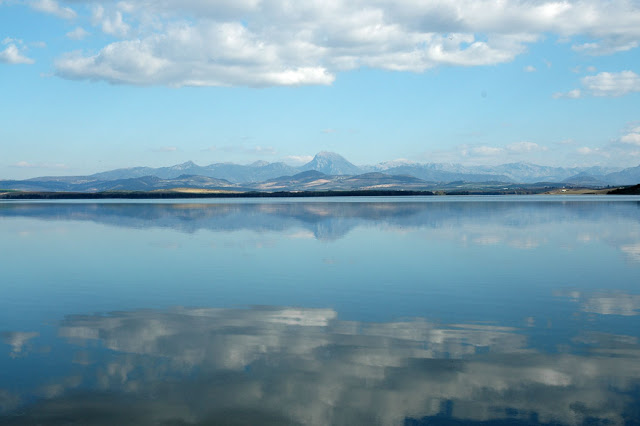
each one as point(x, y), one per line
point(571, 94)
point(585, 150)
point(279, 42)
point(110, 23)
point(8, 40)
point(53, 8)
point(210, 54)
point(524, 147)
point(166, 149)
point(605, 84)
point(78, 33)
point(529, 68)
point(632, 137)
point(598, 49)
point(297, 159)
point(612, 83)
point(12, 55)
point(486, 150)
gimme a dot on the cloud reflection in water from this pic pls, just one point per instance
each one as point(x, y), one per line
point(306, 366)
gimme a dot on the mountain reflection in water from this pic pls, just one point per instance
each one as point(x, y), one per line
point(306, 366)
point(333, 220)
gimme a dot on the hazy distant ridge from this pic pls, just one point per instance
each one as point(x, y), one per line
point(326, 171)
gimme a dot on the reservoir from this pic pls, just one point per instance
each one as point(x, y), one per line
point(348, 311)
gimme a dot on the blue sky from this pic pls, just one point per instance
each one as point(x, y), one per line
point(88, 86)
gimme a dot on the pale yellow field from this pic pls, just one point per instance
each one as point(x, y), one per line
point(197, 191)
point(579, 191)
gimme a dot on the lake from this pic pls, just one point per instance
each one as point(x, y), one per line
point(346, 311)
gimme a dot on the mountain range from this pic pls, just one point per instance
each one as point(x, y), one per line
point(326, 171)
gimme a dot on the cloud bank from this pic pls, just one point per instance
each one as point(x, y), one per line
point(282, 43)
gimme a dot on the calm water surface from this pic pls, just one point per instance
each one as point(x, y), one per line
point(393, 311)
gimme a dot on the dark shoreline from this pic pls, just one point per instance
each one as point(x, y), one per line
point(142, 195)
point(159, 195)
point(151, 195)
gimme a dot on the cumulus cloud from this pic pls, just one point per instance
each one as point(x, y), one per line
point(111, 23)
point(12, 55)
point(605, 84)
point(529, 68)
point(524, 147)
point(277, 42)
point(486, 150)
point(572, 94)
point(612, 83)
point(607, 48)
point(53, 8)
point(210, 54)
point(78, 33)
point(585, 150)
point(632, 138)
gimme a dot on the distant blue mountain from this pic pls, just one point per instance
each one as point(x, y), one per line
point(628, 176)
point(326, 170)
point(331, 163)
point(236, 173)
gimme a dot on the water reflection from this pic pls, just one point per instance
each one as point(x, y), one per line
point(306, 366)
point(521, 223)
point(605, 303)
point(504, 347)
point(332, 220)
point(18, 341)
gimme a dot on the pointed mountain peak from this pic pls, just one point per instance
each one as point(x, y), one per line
point(259, 163)
point(329, 154)
point(331, 163)
point(184, 166)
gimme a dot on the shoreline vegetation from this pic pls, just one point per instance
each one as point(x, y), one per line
point(205, 193)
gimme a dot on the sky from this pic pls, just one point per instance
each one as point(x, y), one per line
point(88, 86)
